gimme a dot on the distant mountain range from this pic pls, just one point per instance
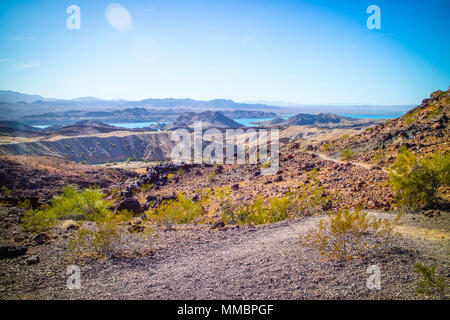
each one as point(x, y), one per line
point(8, 96)
point(15, 104)
point(37, 110)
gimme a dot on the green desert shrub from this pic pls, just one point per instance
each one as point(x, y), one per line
point(347, 154)
point(416, 183)
point(89, 204)
point(260, 211)
point(430, 282)
point(5, 190)
point(39, 220)
point(95, 241)
point(309, 198)
point(343, 235)
point(325, 147)
point(379, 156)
point(110, 234)
point(175, 211)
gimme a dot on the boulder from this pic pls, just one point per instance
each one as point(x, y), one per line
point(130, 204)
point(33, 260)
point(278, 178)
point(40, 238)
point(218, 225)
point(12, 251)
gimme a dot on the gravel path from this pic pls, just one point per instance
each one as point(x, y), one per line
point(325, 157)
point(197, 262)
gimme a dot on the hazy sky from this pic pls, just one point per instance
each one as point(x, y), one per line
point(308, 52)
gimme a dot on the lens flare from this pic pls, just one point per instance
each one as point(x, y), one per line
point(118, 17)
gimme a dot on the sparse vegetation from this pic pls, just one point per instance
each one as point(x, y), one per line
point(347, 154)
point(260, 211)
point(379, 156)
point(144, 187)
point(89, 204)
point(39, 220)
point(347, 234)
point(416, 183)
point(325, 147)
point(97, 240)
point(211, 177)
point(170, 176)
point(5, 190)
point(309, 199)
point(129, 160)
point(179, 210)
point(99, 229)
point(115, 193)
point(430, 282)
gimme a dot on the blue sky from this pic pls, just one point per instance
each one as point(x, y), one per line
point(311, 52)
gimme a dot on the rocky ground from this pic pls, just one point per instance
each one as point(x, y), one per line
point(38, 178)
point(346, 184)
point(201, 262)
point(424, 130)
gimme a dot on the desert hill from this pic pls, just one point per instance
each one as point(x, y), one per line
point(9, 96)
point(320, 118)
point(209, 119)
point(85, 127)
point(324, 120)
point(17, 129)
point(424, 129)
point(98, 149)
point(38, 178)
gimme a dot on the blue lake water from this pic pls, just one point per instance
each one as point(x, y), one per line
point(248, 122)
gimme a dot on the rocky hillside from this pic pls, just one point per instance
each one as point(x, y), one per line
point(9, 96)
point(327, 120)
point(210, 119)
point(85, 127)
point(92, 149)
point(38, 178)
point(17, 129)
point(424, 129)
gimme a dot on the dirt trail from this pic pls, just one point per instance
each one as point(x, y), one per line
point(250, 263)
point(220, 264)
point(325, 157)
point(196, 262)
